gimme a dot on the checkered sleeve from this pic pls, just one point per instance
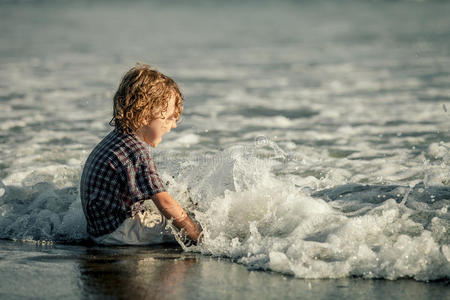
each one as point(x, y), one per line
point(143, 178)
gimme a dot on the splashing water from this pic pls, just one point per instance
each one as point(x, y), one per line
point(268, 223)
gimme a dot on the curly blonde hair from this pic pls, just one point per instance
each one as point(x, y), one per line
point(143, 94)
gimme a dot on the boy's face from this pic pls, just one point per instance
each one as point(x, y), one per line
point(153, 131)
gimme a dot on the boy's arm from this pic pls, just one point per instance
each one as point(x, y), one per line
point(170, 208)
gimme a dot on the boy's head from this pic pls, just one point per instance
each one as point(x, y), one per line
point(143, 95)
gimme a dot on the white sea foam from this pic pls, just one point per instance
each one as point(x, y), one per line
point(41, 212)
point(267, 223)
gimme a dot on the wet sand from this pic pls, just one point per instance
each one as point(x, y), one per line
point(30, 270)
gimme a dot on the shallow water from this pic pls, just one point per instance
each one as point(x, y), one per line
point(75, 272)
point(315, 136)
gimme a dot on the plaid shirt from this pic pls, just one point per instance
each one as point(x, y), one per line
point(119, 174)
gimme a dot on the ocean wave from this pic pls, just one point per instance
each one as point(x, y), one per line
point(270, 222)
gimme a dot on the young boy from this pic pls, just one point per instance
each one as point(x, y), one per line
point(120, 172)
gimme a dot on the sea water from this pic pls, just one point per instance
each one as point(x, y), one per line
point(315, 140)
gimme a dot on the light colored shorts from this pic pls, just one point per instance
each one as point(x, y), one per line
point(147, 228)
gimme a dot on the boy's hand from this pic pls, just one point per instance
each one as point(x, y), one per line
point(170, 208)
point(188, 241)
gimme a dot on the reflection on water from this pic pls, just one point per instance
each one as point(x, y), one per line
point(30, 270)
point(133, 272)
